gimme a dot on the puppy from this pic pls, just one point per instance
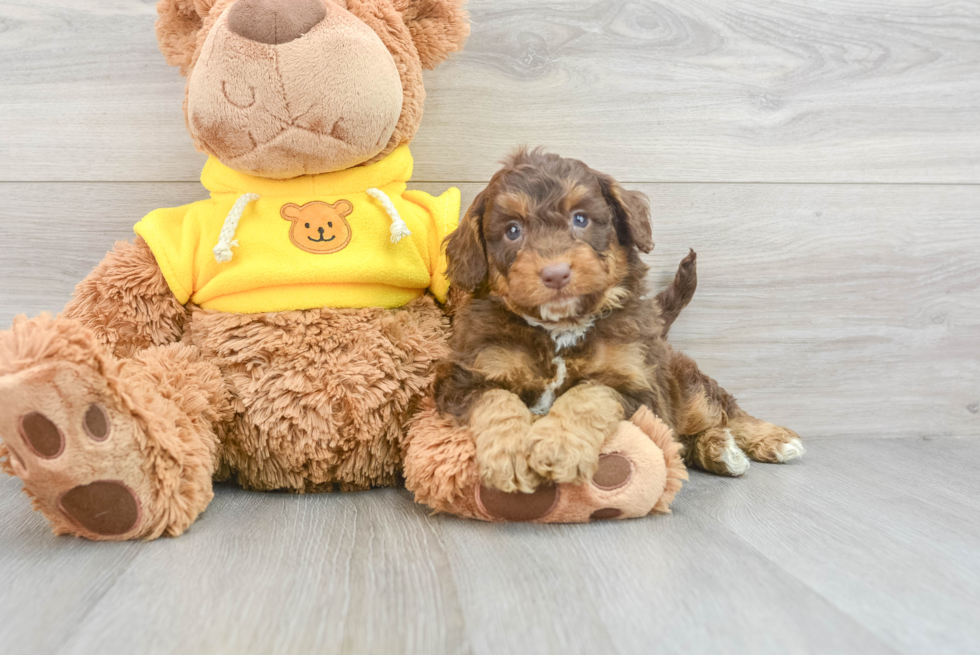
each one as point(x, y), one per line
point(558, 343)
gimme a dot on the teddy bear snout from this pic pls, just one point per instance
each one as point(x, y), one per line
point(275, 21)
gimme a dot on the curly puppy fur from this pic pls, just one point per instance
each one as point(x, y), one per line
point(558, 328)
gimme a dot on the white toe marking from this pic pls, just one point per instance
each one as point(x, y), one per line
point(733, 457)
point(790, 450)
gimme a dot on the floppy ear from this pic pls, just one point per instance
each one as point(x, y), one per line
point(632, 210)
point(290, 211)
point(177, 27)
point(466, 252)
point(343, 207)
point(438, 27)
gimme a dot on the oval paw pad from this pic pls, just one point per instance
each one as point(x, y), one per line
point(105, 507)
point(97, 422)
point(518, 506)
point(42, 436)
point(614, 471)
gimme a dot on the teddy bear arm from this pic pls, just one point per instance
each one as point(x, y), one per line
point(126, 302)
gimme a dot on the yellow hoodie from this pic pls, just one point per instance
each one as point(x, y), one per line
point(355, 238)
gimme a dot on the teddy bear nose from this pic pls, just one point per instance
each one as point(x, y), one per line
point(556, 276)
point(275, 21)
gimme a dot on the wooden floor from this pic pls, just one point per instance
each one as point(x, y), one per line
point(867, 546)
point(823, 158)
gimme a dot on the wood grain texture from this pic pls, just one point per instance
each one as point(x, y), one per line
point(834, 309)
point(794, 91)
point(830, 554)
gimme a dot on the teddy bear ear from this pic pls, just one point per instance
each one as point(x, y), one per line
point(177, 27)
point(438, 27)
point(343, 207)
point(290, 211)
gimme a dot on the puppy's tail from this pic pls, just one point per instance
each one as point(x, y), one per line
point(676, 297)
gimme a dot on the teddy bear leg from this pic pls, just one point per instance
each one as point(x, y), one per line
point(639, 471)
point(108, 449)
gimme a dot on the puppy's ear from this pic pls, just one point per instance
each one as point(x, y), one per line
point(177, 27)
point(438, 27)
point(632, 211)
point(466, 251)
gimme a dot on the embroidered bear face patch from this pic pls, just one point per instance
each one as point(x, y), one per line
point(319, 227)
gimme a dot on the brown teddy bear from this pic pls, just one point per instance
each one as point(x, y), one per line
point(226, 341)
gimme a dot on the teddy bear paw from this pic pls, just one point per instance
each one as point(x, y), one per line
point(74, 449)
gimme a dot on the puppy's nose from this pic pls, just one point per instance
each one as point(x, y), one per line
point(556, 276)
point(275, 21)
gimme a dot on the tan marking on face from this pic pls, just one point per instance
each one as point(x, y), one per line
point(574, 194)
point(319, 227)
point(514, 203)
point(526, 289)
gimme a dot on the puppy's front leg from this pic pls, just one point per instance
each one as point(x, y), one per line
point(564, 445)
point(500, 421)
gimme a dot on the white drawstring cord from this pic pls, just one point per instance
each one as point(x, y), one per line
point(222, 251)
point(398, 228)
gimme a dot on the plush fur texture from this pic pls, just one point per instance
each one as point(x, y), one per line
point(162, 407)
point(118, 414)
point(347, 91)
point(581, 349)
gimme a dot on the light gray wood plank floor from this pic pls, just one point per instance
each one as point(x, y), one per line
point(823, 158)
point(866, 546)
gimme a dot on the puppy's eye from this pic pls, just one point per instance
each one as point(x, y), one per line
point(513, 232)
point(307, 225)
point(579, 219)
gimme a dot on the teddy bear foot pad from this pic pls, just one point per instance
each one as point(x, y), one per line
point(73, 450)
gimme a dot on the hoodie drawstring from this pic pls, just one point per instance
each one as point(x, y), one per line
point(222, 251)
point(398, 228)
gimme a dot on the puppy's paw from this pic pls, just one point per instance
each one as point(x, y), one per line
point(716, 451)
point(765, 442)
point(557, 454)
point(502, 465)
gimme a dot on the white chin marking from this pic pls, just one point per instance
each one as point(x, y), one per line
point(733, 457)
point(790, 450)
point(557, 311)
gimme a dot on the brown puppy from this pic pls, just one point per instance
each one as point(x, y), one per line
point(559, 344)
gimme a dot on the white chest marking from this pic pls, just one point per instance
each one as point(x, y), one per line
point(563, 338)
point(547, 398)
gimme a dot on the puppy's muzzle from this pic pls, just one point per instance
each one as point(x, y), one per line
point(556, 276)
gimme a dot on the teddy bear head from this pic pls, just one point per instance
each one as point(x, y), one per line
point(281, 88)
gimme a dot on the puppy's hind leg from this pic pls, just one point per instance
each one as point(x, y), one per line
point(702, 410)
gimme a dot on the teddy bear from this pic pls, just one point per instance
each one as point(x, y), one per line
point(281, 332)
